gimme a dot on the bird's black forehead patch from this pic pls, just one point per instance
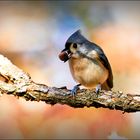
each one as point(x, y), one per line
point(67, 45)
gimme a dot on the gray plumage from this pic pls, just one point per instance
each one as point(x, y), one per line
point(78, 38)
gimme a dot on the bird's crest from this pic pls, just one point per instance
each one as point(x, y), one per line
point(76, 37)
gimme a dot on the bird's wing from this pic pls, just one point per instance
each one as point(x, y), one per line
point(107, 65)
point(105, 62)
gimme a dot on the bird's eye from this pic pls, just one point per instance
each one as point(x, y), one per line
point(74, 45)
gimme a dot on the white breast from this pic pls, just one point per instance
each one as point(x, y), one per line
point(87, 72)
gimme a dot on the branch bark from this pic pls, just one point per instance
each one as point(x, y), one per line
point(16, 82)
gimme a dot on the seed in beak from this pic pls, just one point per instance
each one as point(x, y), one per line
point(63, 56)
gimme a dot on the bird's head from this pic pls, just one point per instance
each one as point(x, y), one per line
point(75, 47)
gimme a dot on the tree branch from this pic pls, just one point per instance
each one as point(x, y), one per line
point(16, 82)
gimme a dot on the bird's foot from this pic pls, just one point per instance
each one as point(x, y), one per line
point(98, 88)
point(75, 89)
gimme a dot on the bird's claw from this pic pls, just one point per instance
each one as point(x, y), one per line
point(98, 88)
point(74, 90)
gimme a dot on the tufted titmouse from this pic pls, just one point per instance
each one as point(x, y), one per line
point(88, 64)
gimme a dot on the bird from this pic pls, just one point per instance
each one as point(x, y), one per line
point(88, 63)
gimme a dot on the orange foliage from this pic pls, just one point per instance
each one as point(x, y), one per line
point(121, 44)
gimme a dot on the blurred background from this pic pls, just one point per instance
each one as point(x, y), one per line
point(32, 34)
